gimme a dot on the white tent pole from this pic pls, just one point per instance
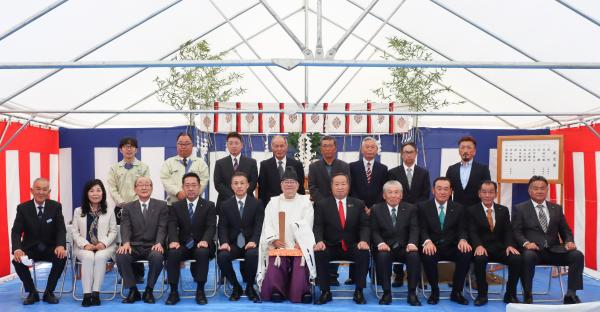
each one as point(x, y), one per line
point(32, 18)
point(258, 78)
point(305, 50)
point(333, 50)
point(319, 48)
point(306, 73)
point(579, 12)
point(14, 135)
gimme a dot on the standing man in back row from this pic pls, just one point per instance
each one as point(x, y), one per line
point(466, 175)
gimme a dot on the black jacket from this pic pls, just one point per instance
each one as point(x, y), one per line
point(28, 231)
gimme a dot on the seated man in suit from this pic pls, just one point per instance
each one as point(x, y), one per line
point(192, 226)
point(226, 166)
point(271, 170)
point(240, 224)
point(395, 230)
point(444, 235)
point(39, 233)
point(341, 229)
point(143, 233)
point(491, 234)
point(541, 229)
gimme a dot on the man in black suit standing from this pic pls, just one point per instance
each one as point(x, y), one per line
point(240, 225)
point(271, 170)
point(320, 172)
point(341, 229)
point(143, 233)
point(39, 234)
point(192, 226)
point(367, 175)
point(395, 233)
point(226, 166)
point(467, 174)
point(539, 227)
point(416, 188)
point(444, 234)
point(491, 234)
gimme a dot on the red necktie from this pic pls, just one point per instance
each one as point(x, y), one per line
point(343, 222)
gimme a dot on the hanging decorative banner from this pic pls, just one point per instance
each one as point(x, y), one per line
point(291, 122)
point(315, 122)
point(380, 123)
point(402, 124)
point(358, 122)
point(334, 123)
point(249, 121)
point(270, 122)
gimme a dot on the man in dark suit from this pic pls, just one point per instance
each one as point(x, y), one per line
point(541, 229)
point(367, 175)
point(39, 234)
point(444, 235)
point(320, 172)
point(192, 226)
point(341, 229)
point(467, 174)
point(491, 234)
point(415, 188)
point(226, 166)
point(271, 170)
point(240, 225)
point(143, 233)
point(395, 228)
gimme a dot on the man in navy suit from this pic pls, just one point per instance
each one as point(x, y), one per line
point(226, 166)
point(240, 225)
point(367, 175)
point(467, 175)
point(271, 170)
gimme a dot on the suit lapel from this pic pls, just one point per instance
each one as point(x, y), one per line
point(404, 177)
point(435, 216)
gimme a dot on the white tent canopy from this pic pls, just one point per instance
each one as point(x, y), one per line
point(466, 31)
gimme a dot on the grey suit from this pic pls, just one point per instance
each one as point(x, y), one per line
point(319, 180)
point(142, 233)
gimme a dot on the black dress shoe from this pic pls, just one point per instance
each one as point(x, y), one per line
point(133, 296)
point(50, 298)
point(413, 300)
point(571, 299)
point(148, 296)
point(325, 297)
point(252, 295)
point(511, 298)
point(386, 298)
point(32, 298)
point(358, 297)
point(480, 300)
point(333, 281)
point(349, 282)
point(527, 299)
point(434, 297)
point(307, 298)
point(95, 298)
point(236, 293)
point(398, 281)
point(87, 300)
point(173, 298)
point(201, 297)
point(458, 298)
point(276, 297)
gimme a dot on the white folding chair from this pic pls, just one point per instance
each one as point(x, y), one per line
point(396, 294)
point(502, 287)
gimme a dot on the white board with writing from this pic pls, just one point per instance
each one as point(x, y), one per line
point(522, 158)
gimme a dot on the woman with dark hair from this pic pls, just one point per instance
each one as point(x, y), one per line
point(94, 239)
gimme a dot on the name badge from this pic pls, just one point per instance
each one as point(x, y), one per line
point(49, 220)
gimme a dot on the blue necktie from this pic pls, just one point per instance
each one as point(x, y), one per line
point(394, 217)
point(190, 242)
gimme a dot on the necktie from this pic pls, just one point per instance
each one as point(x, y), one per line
point(190, 241)
point(128, 166)
point(191, 210)
point(490, 218)
point(369, 172)
point(442, 216)
point(280, 168)
point(394, 216)
point(542, 217)
point(184, 161)
point(144, 210)
point(241, 241)
point(235, 164)
point(342, 222)
point(40, 212)
point(409, 176)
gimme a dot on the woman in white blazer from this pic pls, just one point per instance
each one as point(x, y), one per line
point(94, 239)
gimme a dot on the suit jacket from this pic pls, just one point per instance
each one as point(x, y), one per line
point(201, 227)
point(406, 230)
point(527, 226)
point(224, 171)
point(107, 229)
point(327, 226)
point(419, 189)
point(319, 181)
point(269, 182)
point(480, 234)
point(467, 196)
point(28, 231)
point(455, 225)
point(144, 232)
point(370, 193)
point(249, 224)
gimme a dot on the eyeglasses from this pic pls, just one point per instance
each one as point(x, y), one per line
point(184, 143)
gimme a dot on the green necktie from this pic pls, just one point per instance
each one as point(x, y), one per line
point(442, 216)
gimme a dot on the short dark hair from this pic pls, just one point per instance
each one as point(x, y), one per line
point(340, 173)
point(128, 140)
point(467, 138)
point(442, 179)
point(328, 138)
point(413, 144)
point(233, 135)
point(85, 201)
point(190, 174)
point(536, 178)
point(239, 174)
point(187, 134)
point(489, 182)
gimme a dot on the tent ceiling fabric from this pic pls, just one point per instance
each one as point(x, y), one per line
point(151, 30)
